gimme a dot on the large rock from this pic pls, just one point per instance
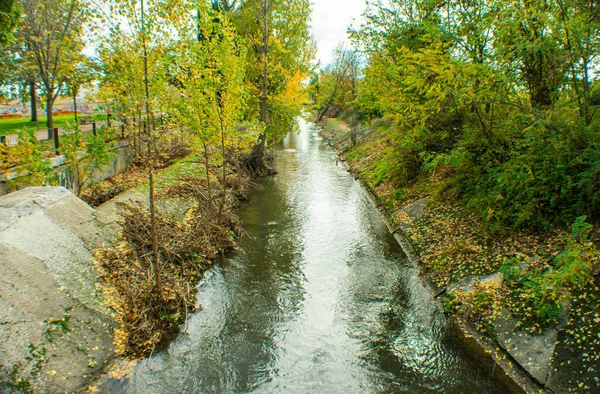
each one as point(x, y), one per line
point(55, 333)
point(533, 352)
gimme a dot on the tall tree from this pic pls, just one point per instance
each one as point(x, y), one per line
point(339, 80)
point(577, 23)
point(280, 51)
point(52, 30)
point(209, 72)
point(528, 45)
point(135, 60)
point(9, 17)
point(83, 73)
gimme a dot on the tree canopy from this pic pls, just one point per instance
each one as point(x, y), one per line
point(501, 97)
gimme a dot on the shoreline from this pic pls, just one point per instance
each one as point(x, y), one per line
point(498, 361)
point(117, 373)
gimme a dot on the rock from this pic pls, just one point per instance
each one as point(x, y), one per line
point(465, 285)
point(408, 214)
point(532, 351)
point(54, 329)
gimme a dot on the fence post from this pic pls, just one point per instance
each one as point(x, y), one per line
point(108, 120)
point(122, 131)
point(94, 128)
point(56, 142)
point(2, 139)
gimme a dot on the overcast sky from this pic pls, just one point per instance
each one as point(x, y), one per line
point(330, 22)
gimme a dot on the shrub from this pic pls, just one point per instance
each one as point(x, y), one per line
point(538, 290)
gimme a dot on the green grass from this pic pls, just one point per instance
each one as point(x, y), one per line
point(10, 126)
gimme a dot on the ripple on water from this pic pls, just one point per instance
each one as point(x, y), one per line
point(320, 300)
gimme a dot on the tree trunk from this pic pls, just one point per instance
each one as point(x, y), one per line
point(75, 105)
point(140, 148)
point(255, 162)
point(49, 106)
point(151, 197)
point(265, 79)
point(223, 172)
point(206, 164)
point(586, 90)
point(33, 94)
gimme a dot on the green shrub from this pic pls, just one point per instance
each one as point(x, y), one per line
point(538, 290)
point(381, 170)
point(550, 177)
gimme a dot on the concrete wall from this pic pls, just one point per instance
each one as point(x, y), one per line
point(55, 333)
point(10, 181)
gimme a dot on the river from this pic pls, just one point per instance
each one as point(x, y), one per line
point(321, 299)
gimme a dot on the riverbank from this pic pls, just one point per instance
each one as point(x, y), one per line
point(319, 298)
point(193, 228)
point(469, 270)
point(55, 331)
point(67, 346)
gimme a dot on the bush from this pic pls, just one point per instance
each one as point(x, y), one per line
point(550, 177)
point(186, 247)
point(538, 290)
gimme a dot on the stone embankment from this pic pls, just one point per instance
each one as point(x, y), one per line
point(15, 178)
point(534, 362)
point(55, 334)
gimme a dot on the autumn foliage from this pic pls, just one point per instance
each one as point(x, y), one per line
point(187, 246)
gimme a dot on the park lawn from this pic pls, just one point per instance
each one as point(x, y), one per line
point(9, 126)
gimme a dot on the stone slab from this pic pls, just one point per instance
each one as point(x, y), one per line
point(533, 352)
point(54, 330)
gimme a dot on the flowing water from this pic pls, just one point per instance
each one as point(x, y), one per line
point(321, 299)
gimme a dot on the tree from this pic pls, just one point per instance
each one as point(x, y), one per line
point(9, 17)
point(224, 5)
point(85, 154)
point(209, 71)
point(527, 44)
point(21, 72)
point(578, 25)
point(83, 74)
point(279, 53)
point(32, 165)
point(499, 94)
point(339, 80)
point(52, 31)
point(135, 61)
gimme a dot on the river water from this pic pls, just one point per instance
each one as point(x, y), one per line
point(320, 300)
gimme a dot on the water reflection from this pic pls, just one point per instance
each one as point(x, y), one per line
point(321, 300)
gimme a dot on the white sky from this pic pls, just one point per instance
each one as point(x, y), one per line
point(330, 22)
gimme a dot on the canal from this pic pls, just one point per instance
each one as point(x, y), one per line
point(321, 299)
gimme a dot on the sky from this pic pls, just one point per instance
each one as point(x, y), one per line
point(330, 21)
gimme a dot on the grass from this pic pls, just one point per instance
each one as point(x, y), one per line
point(10, 126)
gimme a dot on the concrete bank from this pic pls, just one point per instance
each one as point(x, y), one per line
point(512, 375)
point(13, 180)
point(55, 333)
point(533, 363)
